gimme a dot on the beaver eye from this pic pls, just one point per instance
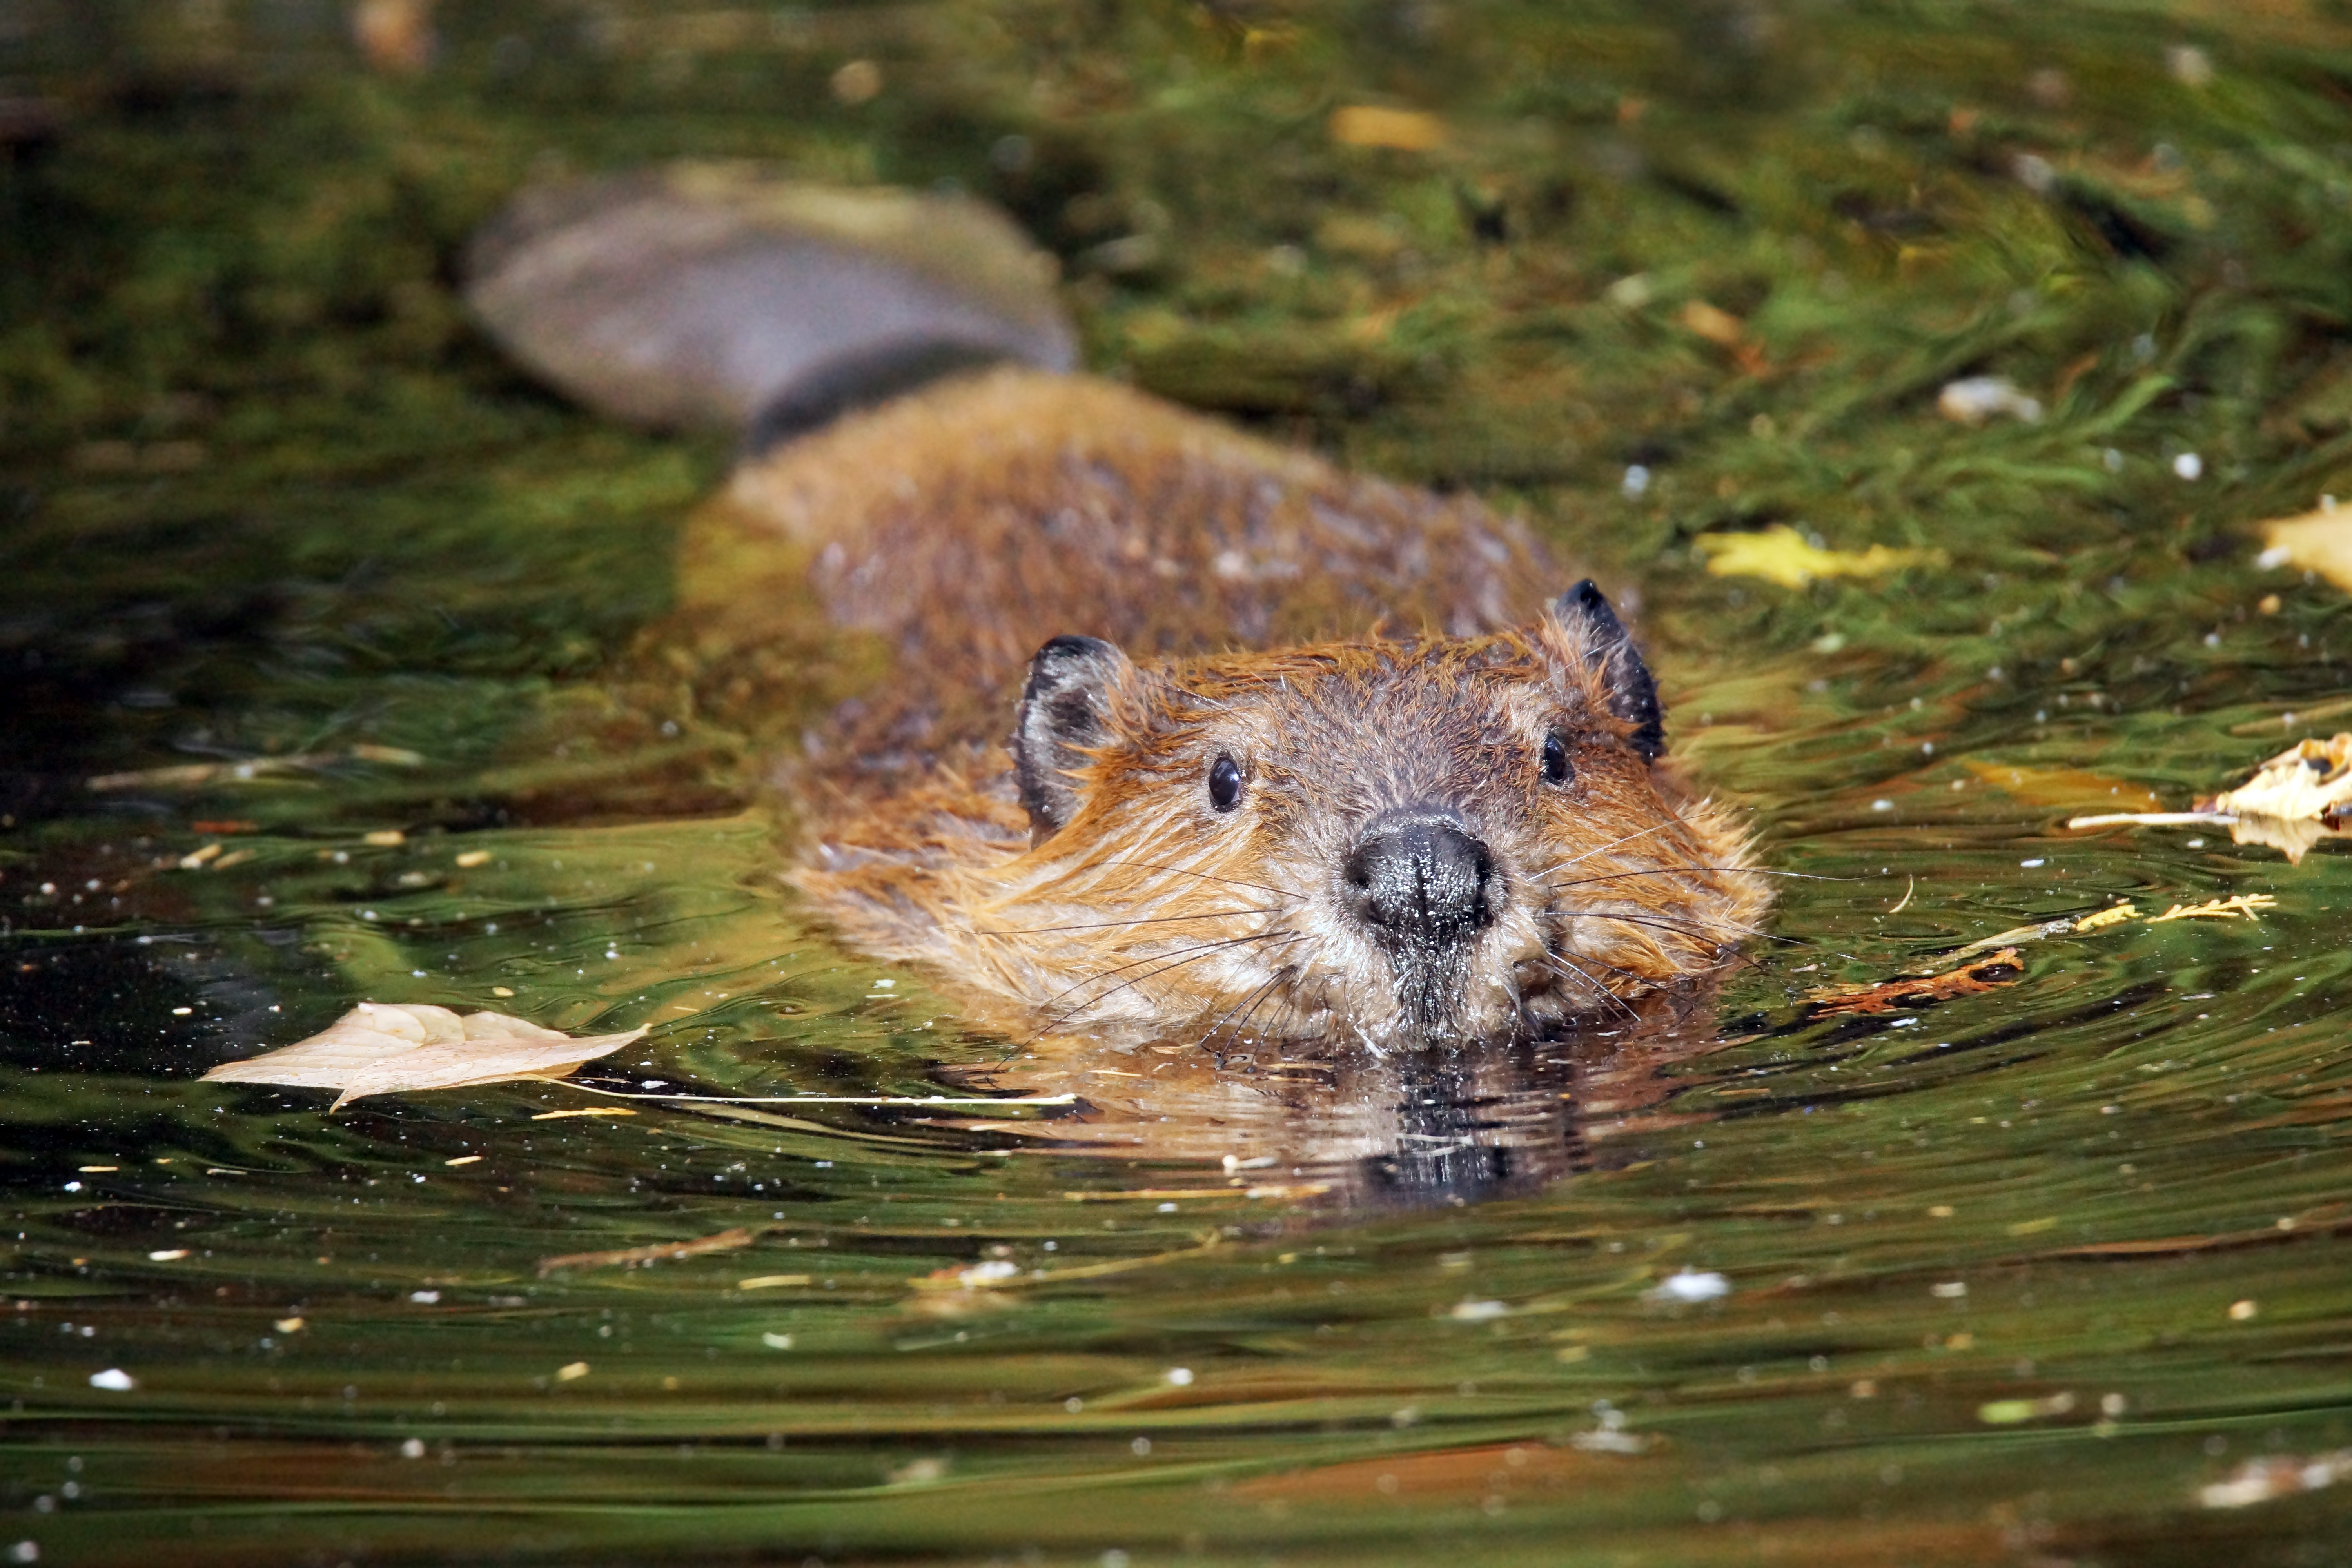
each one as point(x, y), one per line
point(1224, 783)
point(1555, 770)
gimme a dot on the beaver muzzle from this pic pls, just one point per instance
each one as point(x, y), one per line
point(1419, 880)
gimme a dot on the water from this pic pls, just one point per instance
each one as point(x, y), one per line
point(2010, 1276)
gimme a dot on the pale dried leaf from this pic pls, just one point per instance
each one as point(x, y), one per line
point(2276, 1476)
point(389, 1048)
point(2292, 801)
point(2309, 781)
point(2292, 839)
point(1974, 399)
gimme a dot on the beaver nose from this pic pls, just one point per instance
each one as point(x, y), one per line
point(1418, 875)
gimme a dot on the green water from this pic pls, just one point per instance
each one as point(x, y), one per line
point(2007, 1278)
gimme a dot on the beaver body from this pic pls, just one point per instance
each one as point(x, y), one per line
point(1173, 734)
point(1312, 756)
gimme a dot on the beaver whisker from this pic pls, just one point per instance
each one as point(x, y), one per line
point(1640, 981)
point(1519, 1002)
point(1574, 971)
point(1272, 981)
point(1689, 870)
point(1196, 955)
point(1724, 951)
point(1228, 881)
point(1196, 958)
point(1724, 948)
point(1113, 925)
point(1628, 838)
point(1676, 926)
point(1154, 958)
point(1184, 955)
point(1258, 999)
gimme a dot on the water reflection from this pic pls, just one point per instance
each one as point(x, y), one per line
point(1354, 1129)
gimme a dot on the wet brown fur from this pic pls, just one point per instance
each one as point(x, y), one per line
point(1351, 645)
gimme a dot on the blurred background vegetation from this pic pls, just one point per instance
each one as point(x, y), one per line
point(1643, 271)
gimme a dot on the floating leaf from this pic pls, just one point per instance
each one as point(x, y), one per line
point(2061, 787)
point(1402, 129)
point(1716, 324)
point(1781, 554)
point(1974, 399)
point(2245, 905)
point(2276, 1476)
point(2009, 1412)
point(1982, 974)
point(2310, 781)
point(389, 1048)
point(2317, 541)
point(2298, 798)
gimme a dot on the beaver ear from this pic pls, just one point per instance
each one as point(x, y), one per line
point(1585, 615)
point(1063, 711)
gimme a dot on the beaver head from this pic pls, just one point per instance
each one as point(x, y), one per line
point(1413, 840)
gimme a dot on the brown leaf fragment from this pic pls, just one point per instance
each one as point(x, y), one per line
point(2062, 786)
point(660, 1252)
point(1886, 995)
point(382, 1047)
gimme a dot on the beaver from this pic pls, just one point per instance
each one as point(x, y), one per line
point(1170, 732)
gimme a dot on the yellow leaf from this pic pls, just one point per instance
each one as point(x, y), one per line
point(1781, 554)
point(390, 1047)
point(2245, 905)
point(2317, 541)
point(1714, 323)
point(1403, 130)
point(2009, 1412)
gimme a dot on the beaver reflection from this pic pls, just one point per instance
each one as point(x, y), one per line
point(1352, 1129)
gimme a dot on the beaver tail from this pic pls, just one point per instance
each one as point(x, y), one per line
point(702, 296)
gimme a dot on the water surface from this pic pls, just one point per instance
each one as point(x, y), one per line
point(2010, 1276)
